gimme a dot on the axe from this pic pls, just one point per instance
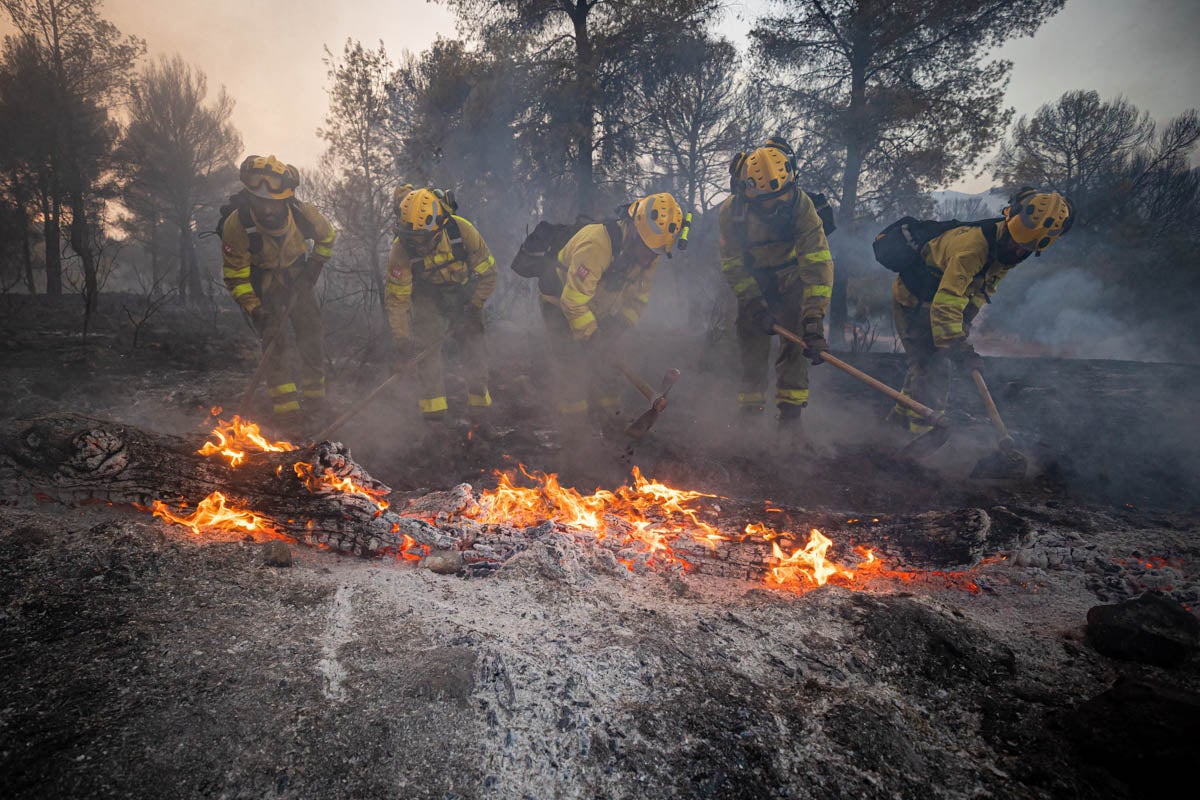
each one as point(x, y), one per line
point(658, 400)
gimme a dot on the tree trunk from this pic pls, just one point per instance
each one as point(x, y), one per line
point(377, 277)
point(585, 178)
point(26, 250)
point(189, 268)
point(53, 237)
point(81, 244)
point(72, 459)
point(839, 313)
point(156, 274)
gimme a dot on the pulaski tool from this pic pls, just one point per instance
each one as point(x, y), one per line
point(658, 400)
point(924, 444)
point(1006, 462)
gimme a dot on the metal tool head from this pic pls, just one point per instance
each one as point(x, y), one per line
point(1001, 464)
point(927, 443)
point(640, 426)
point(668, 381)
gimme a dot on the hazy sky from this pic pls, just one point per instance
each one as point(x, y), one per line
point(268, 54)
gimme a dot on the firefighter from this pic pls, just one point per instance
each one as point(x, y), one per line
point(441, 271)
point(606, 271)
point(775, 258)
point(271, 273)
point(971, 261)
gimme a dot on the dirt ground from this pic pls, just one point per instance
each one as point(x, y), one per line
point(142, 661)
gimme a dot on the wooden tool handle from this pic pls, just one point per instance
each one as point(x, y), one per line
point(353, 411)
point(646, 389)
point(669, 380)
point(992, 412)
point(936, 418)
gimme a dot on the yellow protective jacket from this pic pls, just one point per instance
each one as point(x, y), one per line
point(969, 277)
point(802, 254)
point(586, 296)
point(438, 269)
point(279, 251)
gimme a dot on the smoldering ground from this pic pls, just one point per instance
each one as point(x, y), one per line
point(138, 656)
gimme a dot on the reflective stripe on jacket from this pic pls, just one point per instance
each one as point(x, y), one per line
point(439, 268)
point(586, 297)
point(968, 277)
point(278, 251)
point(802, 255)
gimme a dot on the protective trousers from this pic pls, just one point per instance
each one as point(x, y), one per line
point(791, 367)
point(583, 387)
point(287, 296)
point(440, 313)
point(928, 378)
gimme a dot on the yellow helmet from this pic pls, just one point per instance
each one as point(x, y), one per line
point(767, 172)
point(398, 195)
point(421, 214)
point(658, 219)
point(268, 177)
point(1035, 219)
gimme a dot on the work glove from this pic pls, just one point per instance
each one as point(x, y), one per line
point(764, 319)
point(262, 320)
point(969, 315)
point(965, 357)
point(814, 341)
point(311, 272)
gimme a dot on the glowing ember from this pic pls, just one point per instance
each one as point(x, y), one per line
point(327, 480)
point(408, 545)
point(212, 514)
point(235, 438)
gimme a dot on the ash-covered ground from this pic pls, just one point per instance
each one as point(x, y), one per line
point(143, 661)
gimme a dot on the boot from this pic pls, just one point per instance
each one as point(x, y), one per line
point(482, 428)
point(791, 429)
point(750, 419)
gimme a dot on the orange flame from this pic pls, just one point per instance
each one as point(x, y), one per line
point(235, 438)
point(314, 483)
point(649, 514)
point(407, 544)
point(212, 514)
point(808, 563)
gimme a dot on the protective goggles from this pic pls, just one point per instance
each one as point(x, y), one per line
point(271, 181)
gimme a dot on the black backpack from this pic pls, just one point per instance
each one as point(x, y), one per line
point(538, 254)
point(240, 205)
point(898, 247)
point(824, 210)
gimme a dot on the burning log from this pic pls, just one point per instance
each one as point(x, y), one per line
point(316, 494)
point(241, 483)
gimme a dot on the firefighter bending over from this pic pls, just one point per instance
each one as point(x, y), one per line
point(272, 275)
point(775, 258)
point(606, 271)
point(441, 271)
point(965, 264)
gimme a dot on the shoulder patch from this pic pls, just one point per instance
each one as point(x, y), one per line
point(228, 249)
point(582, 272)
